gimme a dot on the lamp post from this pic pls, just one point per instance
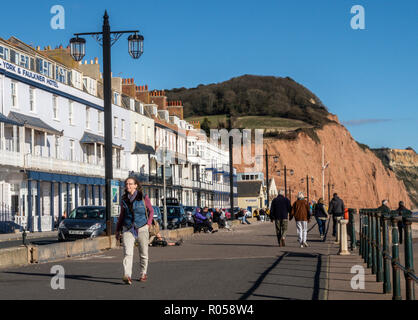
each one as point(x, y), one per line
point(78, 51)
point(291, 171)
point(231, 165)
point(324, 166)
point(330, 186)
point(307, 184)
point(275, 159)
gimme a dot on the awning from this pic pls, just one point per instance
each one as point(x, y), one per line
point(90, 138)
point(4, 119)
point(33, 123)
point(141, 148)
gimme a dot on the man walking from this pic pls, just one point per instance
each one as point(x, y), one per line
point(300, 211)
point(336, 208)
point(279, 213)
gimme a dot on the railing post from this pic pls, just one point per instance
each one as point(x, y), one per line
point(409, 260)
point(374, 248)
point(361, 232)
point(369, 240)
point(386, 263)
point(352, 213)
point(395, 261)
point(379, 257)
point(366, 236)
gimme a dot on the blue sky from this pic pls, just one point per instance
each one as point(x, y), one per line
point(366, 77)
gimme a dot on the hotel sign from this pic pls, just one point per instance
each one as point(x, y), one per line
point(30, 75)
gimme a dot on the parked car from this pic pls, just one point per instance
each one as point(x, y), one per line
point(176, 217)
point(84, 222)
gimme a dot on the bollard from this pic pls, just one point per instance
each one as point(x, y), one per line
point(369, 240)
point(338, 239)
point(379, 257)
point(409, 260)
point(386, 263)
point(353, 240)
point(395, 260)
point(343, 243)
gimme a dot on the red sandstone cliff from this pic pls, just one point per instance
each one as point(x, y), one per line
point(359, 177)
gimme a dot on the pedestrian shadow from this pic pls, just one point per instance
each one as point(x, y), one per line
point(317, 287)
point(73, 277)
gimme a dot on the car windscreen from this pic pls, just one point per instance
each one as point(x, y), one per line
point(191, 209)
point(174, 212)
point(87, 213)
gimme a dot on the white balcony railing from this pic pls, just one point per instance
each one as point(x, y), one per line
point(29, 161)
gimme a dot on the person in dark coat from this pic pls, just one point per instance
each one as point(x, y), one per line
point(321, 216)
point(336, 208)
point(384, 207)
point(279, 214)
point(403, 212)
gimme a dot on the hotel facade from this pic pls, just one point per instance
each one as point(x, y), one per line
point(52, 140)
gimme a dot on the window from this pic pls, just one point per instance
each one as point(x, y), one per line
point(71, 150)
point(14, 93)
point(136, 131)
point(75, 79)
point(142, 133)
point(24, 61)
point(115, 126)
point(55, 106)
point(122, 125)
point(4, 53)
point(44, 67)
point(99, 121)
point(60, 74)
point(32, 99)
point(57, 147)
point(71, 112)
point(115, 98)
point(87, 117)
point(149, 135)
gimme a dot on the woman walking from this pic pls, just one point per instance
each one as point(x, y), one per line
point(321, 216)
point(135, 218)
point(300, 211)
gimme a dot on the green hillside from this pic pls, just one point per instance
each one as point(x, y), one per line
point(249, 96)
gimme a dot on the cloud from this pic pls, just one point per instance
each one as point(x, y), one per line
point(360, 122)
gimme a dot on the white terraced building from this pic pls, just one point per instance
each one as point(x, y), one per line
point(52, 141)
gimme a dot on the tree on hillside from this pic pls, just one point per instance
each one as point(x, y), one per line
point(205, 125)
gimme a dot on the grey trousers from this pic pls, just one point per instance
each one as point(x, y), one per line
point(128, 247)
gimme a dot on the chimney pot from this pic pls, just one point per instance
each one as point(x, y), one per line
point(96, 60)
point(146, 87)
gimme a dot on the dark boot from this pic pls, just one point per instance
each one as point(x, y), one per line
point(283, 244)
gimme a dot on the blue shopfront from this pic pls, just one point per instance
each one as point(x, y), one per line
point(50, 196)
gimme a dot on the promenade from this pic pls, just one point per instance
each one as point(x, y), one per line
point(243, 264)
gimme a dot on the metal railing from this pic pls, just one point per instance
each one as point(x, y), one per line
point(379, 255)
point(7, 224)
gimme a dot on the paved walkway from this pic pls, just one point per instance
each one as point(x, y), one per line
point(244, 264)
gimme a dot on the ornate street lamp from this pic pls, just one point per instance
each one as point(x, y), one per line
point(136, 45)
point(106, 39)
point(78, 48)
